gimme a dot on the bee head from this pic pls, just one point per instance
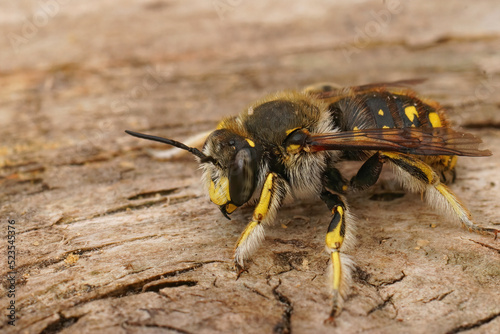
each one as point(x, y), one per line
point(232, 178)
point(229, 164)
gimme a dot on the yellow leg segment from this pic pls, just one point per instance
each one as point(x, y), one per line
point(270, 199)
point(337, 271)
point(334, 239)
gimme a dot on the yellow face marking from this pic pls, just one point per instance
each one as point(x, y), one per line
point(219, 194)
point(265, 198)
point(230, 208)
point(250, 142)
point(435, 120)
point(381, 112)
point(411, 113)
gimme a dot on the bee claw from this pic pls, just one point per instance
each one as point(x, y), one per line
point(331, 319)
point(239, 270)
point(333, 314)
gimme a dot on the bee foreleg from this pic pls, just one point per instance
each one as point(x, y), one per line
point(419, 176)
point(272, 194)
point(340, 268)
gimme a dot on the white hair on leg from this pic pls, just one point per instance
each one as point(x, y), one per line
point(249, 245)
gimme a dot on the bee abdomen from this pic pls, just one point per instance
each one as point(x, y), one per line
point(385, 109)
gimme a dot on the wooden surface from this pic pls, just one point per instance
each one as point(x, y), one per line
point(112, 241)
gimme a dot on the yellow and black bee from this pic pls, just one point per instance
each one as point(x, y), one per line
point(288, 144)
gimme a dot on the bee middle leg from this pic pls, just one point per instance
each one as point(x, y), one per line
point(340, 268)
point(273, 192)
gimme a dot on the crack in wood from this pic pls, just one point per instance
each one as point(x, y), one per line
point(60, 324)
point(382, 305)
point(149, 194)
point(486, 245)
point(80, 251)
point(148, 204)
point(285, 325)
point(438, 297)
point(396, 280)
point(137, 287)
point(156, 286)
point(255, 291)
point(124, 208)
point(168, 327)
point(475, 324)
point(364, 277)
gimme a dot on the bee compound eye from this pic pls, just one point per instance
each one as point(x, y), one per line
point(242, 176)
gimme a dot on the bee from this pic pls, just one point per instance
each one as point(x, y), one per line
point(289, 144)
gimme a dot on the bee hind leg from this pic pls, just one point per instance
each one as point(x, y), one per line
point(419, 176)
point(341, 264)
point(272, 194)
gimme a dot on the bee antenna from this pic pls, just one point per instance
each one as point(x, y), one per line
point(203, 158)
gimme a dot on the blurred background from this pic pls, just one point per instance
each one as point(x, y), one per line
point(75, 74)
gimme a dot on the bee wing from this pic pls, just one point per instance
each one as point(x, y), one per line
point(343, 92)
point(418, 141)
point(395, 84)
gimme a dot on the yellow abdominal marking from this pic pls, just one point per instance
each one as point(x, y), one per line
point(435, 120)
point(411, 113)
point(219, 194)
point(381, 112)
